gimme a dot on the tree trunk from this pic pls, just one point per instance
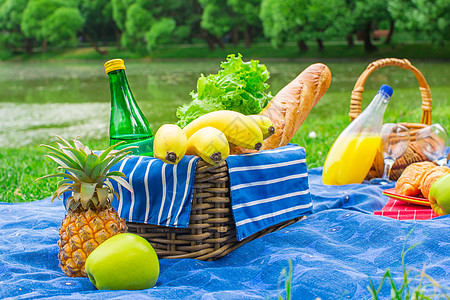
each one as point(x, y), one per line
point(320, 44)
point(368, 46)
point(391, 32)
point(350, 41)
point(302, 46)
point(247, 37)
point(235, 35)
point(29, 46)
point(44, 46)
point(207, 37)
point(118, 35)
point(93, 43)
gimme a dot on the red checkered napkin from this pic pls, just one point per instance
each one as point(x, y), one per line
point(401, 210)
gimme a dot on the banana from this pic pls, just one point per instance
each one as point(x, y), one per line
point(238, 129)
point(170, 143)
point(264, 123)
point(210, 144)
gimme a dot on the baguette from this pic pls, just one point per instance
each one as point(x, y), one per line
point(292, 104)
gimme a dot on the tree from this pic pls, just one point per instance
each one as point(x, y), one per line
point(12, 37)
point(222, 17)
point(217, 18)
point(431, 17)
point(365, 15)
point(145, 24)
point(98, 22)
point(303, 20)
point(57, 21)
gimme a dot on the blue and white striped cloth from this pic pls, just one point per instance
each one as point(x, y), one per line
point(266, 188)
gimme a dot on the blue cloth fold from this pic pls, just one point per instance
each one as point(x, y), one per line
point(334, 253)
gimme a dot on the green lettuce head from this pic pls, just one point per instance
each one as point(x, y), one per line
point(238, 86)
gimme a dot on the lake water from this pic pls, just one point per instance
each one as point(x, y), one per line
point(41, 99)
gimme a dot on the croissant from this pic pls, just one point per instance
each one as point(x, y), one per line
point(408, 184)
point(430, 176)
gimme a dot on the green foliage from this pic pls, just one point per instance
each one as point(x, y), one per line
point(138, 22)
point(56, 21)
point(159, 33)
point(11, 12)
point(279, 20)
point(217, 17)
point(61, 27)
point(146, 24)
point(419, 16)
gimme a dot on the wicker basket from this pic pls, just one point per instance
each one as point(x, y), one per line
point(413, 154)
point(211, 233)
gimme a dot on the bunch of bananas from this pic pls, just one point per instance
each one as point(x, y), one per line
point(211, 136)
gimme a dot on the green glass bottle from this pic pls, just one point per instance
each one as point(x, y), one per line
point(127, 122)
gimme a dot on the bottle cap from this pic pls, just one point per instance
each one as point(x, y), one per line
point(114, 64)
point(386, 89)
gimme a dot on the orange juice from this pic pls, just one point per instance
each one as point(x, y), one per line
point(350, 159)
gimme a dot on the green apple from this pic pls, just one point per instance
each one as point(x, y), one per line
point(439, 196)
point(123, 262)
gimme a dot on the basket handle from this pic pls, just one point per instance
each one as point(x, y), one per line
point(355, 103)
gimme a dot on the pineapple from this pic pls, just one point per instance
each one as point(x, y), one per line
point(90, 220)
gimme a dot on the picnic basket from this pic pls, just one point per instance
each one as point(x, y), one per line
point(413, 154)
point(211, 233)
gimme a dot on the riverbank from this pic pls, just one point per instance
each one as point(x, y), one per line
point(332, 50)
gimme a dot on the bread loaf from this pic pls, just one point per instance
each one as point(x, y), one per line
point(292, 104)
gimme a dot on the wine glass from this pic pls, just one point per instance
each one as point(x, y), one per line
point(432, 141)
point(394, 143)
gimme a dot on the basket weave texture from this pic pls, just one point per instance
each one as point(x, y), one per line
point(211, 233)
point(413, 154)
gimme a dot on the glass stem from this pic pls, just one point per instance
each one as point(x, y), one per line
point(387, 168)
point(442, 161)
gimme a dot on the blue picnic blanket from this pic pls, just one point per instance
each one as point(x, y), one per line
point(267, 188)
point(334, 252)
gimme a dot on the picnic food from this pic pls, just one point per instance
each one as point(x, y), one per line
point(408, 184)
point(124, 262)
point(239, 86)
point(292, 104)
point(238, 129)
point(352, 154)
point(264, 123)
point(170, 143)
point(430, 177)
point(90, 220)
point(439, 195)
point(210, 144)
point(127, 122)
point(418, 178)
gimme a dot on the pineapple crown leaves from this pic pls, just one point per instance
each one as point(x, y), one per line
point(86, 173)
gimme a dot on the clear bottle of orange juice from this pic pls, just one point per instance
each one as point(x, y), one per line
point(352, 154)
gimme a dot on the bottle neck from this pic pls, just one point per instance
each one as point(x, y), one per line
point(120, 90)
point(378, 105)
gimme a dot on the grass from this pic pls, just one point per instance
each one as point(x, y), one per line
point(20, 166)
